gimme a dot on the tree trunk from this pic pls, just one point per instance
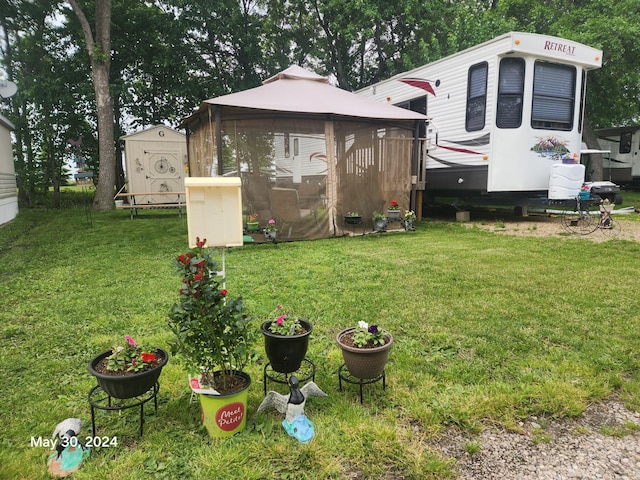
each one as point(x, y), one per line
point(106, 147)
point(99, 51)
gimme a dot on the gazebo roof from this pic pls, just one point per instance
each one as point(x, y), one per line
point(299, 91)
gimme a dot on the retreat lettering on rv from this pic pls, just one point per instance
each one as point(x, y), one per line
point(559, 47)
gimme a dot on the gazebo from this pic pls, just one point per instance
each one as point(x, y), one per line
point(307, 152)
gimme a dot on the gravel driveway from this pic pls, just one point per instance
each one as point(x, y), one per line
point(550, 226)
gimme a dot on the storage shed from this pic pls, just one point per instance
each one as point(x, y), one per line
point(155, 160)
point(8, 189)
point(307, 152)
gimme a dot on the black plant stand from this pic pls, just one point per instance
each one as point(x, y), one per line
point(307, 371)
point(103, 401)
point(353, 221)
point(343, 374)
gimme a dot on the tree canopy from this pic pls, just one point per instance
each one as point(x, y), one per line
point(161, 58)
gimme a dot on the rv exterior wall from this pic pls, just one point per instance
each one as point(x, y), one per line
point(622, 165)
point(492, 159)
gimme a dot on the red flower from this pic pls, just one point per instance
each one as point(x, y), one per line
point(224, 292)
point(147, 357)
point(394, 203)
point(198, 277)
point(200, 243)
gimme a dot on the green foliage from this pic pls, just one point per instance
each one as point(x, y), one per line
point(368, 335)
point(211, 330)
point(131, 357)
point(285, 324)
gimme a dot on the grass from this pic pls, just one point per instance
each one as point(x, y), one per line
point(488, 330)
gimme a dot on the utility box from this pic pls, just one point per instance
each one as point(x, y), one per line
point(214, 210)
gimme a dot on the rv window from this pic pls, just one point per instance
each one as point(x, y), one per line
point(476, 97)
point(625, 142)
point(554, 97)
point(510, 93)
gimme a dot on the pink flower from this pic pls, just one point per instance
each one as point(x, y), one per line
point(130, 340)
point(280, 320)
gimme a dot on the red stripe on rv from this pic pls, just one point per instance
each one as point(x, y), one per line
point(460, 150)
point(418, 83)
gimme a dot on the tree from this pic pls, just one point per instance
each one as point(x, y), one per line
point(99, 51)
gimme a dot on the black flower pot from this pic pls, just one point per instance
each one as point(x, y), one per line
point(127, 386)
point(285, 353)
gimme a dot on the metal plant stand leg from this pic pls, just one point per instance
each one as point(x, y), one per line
point(97, 400)
point(343, 374)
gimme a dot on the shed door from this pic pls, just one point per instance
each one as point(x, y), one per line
point(162, 174)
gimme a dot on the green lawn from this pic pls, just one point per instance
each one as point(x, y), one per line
point(488, 329)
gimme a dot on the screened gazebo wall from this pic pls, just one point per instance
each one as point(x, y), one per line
point(306, 172)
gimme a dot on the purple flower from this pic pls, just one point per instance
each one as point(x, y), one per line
point(373, 329)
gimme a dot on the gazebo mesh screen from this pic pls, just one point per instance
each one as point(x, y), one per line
point(306, 174)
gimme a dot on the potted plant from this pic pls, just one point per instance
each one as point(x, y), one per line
point(352, 218)
point(270, 231)
point(286, 340)
point(585, 192)
point(365, 350)
point(253, 225)
point(128, 370)
point(393, 212)
point(409, 222)
point(379, 222)
point(213, 338)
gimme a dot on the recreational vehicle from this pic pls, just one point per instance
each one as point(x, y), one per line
point(623, 164)
point(501, 114)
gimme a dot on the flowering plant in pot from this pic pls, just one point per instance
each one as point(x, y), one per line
point(393, 211)
point(212, 333)
point(252, 223)
point(128, 370)
point(365, 349)
point(270, 230)
point(213, 338)
point(286, 340)
point(409, 220)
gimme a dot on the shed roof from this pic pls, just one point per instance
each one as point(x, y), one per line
point(299, 91)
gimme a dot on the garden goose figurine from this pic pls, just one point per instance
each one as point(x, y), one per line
point(295, 422)
point(70, 453)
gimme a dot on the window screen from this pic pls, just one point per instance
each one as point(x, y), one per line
point(510, 93)
point(476, 97)
point(554, 88)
